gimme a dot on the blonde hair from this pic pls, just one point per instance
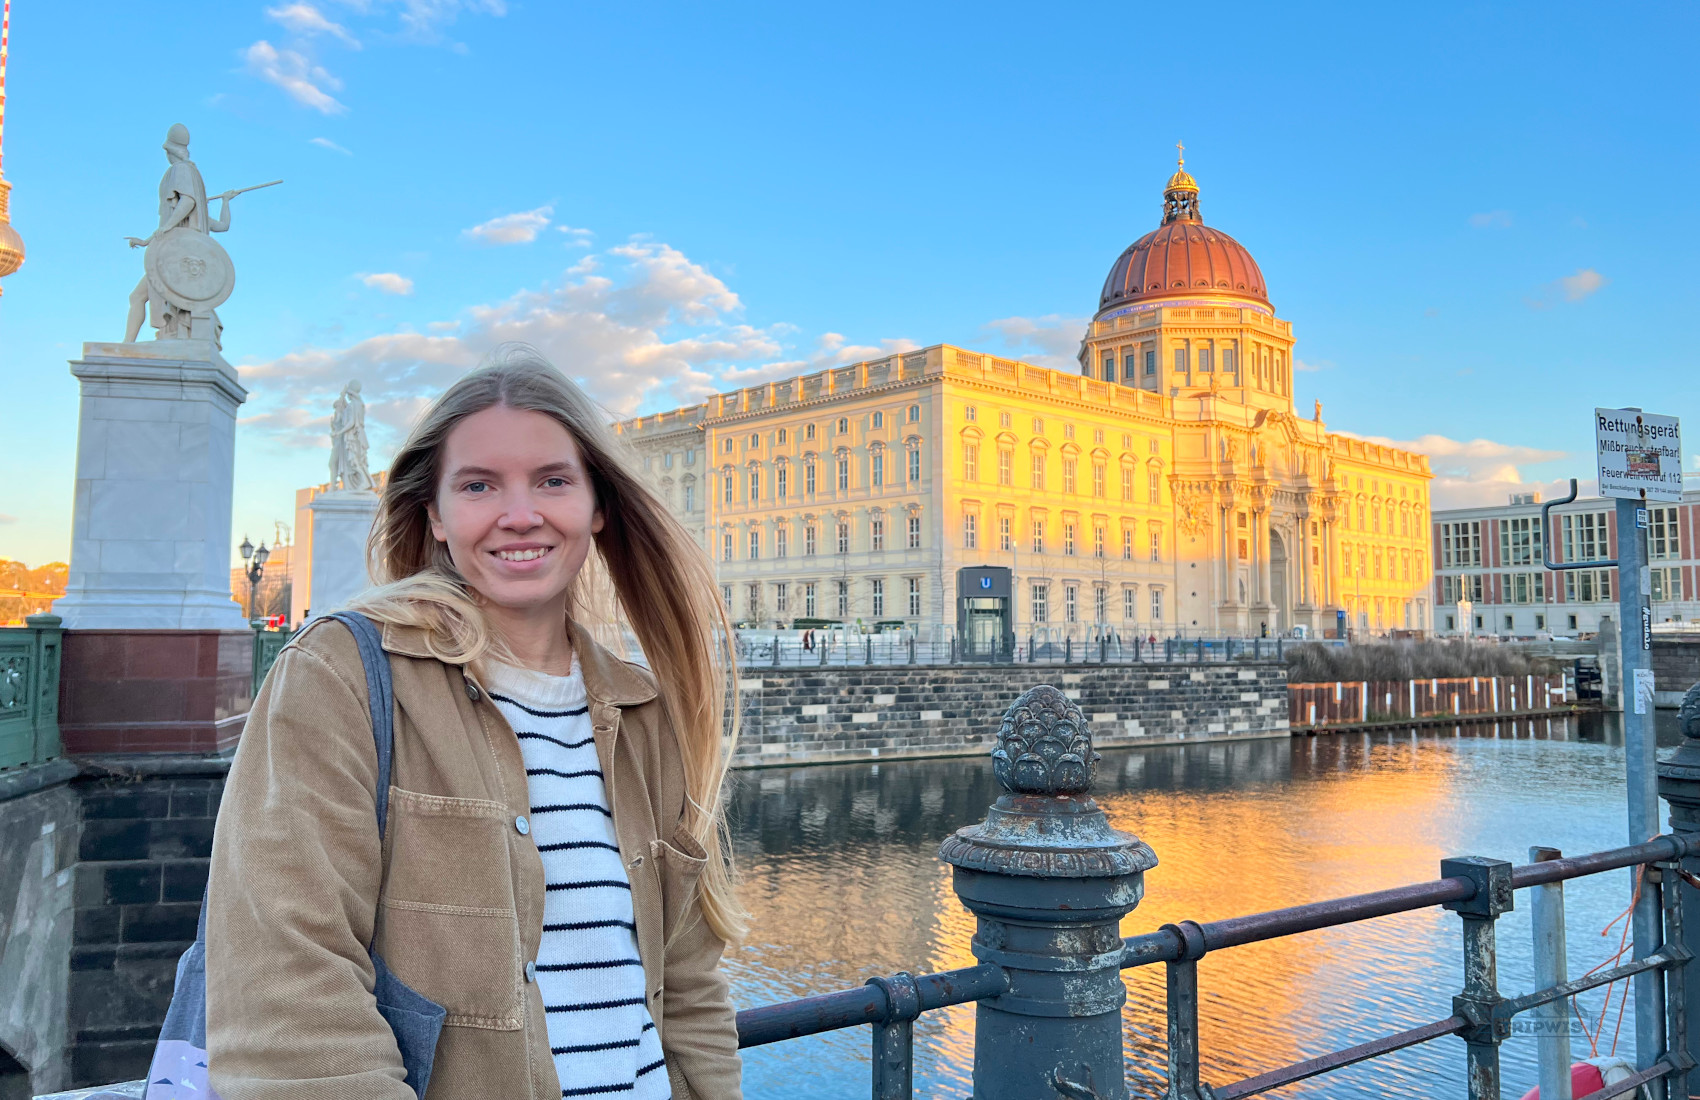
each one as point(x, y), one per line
point(647, 573)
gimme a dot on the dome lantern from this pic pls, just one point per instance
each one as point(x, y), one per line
point(1180, 197)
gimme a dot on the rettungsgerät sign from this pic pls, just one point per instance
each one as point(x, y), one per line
point(1638, 452)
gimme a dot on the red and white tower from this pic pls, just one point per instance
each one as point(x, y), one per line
point(11, 245)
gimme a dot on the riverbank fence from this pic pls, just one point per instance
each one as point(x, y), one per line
point(1365, 702)
point(1042, 647)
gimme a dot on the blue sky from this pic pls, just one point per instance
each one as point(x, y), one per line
point(1481, 220)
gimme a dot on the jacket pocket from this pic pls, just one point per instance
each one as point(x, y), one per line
point(679, 864)
point(447, 922)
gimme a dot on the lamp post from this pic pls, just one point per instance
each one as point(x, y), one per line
point(254, 571)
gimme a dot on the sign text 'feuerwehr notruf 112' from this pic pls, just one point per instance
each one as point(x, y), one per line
point(1638, 453)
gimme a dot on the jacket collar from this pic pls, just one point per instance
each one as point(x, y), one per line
point(606, 678)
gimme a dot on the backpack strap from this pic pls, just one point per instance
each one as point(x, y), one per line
point(380, 697)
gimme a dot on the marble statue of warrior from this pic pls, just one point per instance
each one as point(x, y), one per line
point(182, 202)
point(348, 440)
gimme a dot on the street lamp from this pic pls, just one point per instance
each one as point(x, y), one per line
point(255, 571)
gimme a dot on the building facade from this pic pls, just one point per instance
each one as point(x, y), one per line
point(1490, 576)
point(1167, 487)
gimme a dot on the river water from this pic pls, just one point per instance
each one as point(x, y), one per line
point(842, 876)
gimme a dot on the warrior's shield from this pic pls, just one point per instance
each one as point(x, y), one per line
point(190, 270)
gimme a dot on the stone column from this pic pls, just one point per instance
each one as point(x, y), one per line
point(150, 526)
point(1265, 591)
point(341, 523)
point(1049, 881)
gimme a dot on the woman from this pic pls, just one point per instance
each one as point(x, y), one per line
point(553, 871)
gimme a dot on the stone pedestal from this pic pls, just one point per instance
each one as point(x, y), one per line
point(155, 690)
point(341, 522)
point(150, 528)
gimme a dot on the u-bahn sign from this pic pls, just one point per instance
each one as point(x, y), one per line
point(1638, 453)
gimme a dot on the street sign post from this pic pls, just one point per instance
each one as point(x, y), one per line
point(1639, 459)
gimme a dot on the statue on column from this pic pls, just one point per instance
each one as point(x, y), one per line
point(348, 440)
point(187, 274)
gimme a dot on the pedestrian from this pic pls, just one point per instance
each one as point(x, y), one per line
point(809, 641)
point(553, 871)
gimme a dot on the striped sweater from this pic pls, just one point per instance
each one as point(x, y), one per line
point(587, 968)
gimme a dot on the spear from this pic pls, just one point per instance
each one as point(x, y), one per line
point(240, 190)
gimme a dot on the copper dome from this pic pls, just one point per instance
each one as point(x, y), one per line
point(1183, 256)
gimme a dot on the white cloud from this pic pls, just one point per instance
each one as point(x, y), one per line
point(1471, 473)
point(520, 228)
point(576, 238)
point(299, 78)
point(1492, 219)
point(639, 322)
point(388, 282)
point(327, 143)
point(307, 21)
point(1049, 341)
point(1312, 366)
point(1585, 282)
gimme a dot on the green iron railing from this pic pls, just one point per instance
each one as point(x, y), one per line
point(29, 691)
point(267, 645)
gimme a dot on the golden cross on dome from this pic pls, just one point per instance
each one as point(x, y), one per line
point(1180, 155)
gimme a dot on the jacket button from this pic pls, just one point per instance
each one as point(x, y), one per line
point(530, 971)
point(472, 691)
point(521, 824)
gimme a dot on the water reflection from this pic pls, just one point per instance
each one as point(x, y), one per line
point(842, 877)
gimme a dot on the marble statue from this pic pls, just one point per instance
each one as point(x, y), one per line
point(348, 440)
point(187, 274)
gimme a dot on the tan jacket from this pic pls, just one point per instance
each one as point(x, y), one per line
point(452, 899)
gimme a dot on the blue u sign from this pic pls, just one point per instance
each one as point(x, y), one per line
point(985, 582)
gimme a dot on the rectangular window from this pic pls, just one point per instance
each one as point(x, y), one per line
point(1204, 359)
point(1180, 361)
point(1130, 369)
point(878, 463)
point(755, 601)
point(781, 482)
point(914, 532)
point(1109, 366)
point(755, 543)
point(1069, 465)
point(970, 461)
point(1587, 585)
point(780, 591)
point(1098, 479)
point(1006, 540)
point(843, 537)
point(755, 486)
point(876, 533)
point(690, 498)
point(726, 594)
point(914, 464)
point(809, 601)
point(1130, 604)
point(809, 478)
point(1038, 469)
point(879, 597)
point(970, 531)
point(726, 489)
point(726, 546)
point(1006, 466)
point(1156, 544)
point(843, 600)
point(781, 541)
point(1097, 542)
point(843, 474)
point(914, 597)
point(1127, 483)
point(1100, 598)
point(1667, 581)
point(1227, 359)
point(1127, 544)
point(1068, 539)
point(1524, 587)
point(1153, 487)
point(809, 533)
point(1071, 612)
point(1041, 602)
point(1520, 541)
point(1156, 605)
point(1461, 544)
point(1038, 536)
point(1585, 537)
point(1150, 364)
point(970, 414)
point(1663, 542)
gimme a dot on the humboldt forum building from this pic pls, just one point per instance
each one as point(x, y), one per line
point(1167, 487)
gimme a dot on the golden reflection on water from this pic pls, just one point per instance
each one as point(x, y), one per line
point(842, 878)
